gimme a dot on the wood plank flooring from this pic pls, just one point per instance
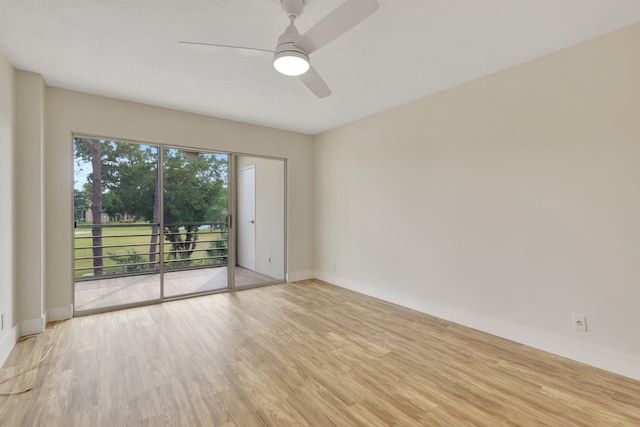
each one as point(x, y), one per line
point(298, 354)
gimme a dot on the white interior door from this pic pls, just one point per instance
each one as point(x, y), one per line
point(247, 217)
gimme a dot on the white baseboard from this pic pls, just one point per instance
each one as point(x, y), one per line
point(60, 313)
point(33, 326)
point(294, 276)
point(7, 343)
point(599, 357)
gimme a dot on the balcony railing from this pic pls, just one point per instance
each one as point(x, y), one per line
point(130, 249)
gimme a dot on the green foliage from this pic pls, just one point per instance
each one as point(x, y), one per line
point(195, 188)
point(128, 259)
point(195, 192)
point(81, 201)
point(130, 176)
point(219, 248)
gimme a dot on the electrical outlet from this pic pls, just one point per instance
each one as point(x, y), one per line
point(580, 322)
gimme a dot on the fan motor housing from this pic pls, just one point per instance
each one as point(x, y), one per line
point(292, 7)
point(286, 44)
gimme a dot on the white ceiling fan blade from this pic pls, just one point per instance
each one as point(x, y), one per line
point(315, 83)
point(221, 48)
point(336, 23)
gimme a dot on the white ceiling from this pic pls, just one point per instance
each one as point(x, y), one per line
point(408, 49)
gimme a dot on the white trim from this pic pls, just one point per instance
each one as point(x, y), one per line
point(294, 276)
point(599, 357)
point(60, 313)
point(32, 326)
point(7, 344)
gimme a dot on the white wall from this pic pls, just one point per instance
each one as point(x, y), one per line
point(270, 174)
point(68, 112)
point(8, 291)
point(506, 204)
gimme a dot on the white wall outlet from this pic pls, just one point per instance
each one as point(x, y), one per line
point(580, 322)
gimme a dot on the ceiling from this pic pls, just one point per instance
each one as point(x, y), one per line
point(408, 49)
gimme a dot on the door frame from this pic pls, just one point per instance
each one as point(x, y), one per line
point(234, 207)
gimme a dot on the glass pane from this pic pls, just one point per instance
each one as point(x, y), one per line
point(116, 236)
point(195, 221)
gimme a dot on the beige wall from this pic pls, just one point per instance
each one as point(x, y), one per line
point(68, 112)
point(28, 173)
point(506, 204)
point(8, 291)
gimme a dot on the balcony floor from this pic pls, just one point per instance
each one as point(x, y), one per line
point(102, 293)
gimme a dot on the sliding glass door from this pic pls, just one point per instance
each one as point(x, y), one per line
point(116, 224)
point(195, 207)
point(153, 222)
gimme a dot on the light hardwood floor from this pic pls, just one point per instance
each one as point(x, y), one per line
point(298, 354)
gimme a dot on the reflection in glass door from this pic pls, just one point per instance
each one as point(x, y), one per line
point(195, 229)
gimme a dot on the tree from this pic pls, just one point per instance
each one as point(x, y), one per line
point(96, 205)
point(155, 226)
point(133, 184)
point(130, 178)
point(195, 190)
point(194, 193)
point(81, 202)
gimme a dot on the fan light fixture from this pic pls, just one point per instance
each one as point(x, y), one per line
point(291, 63)
point(291, 55)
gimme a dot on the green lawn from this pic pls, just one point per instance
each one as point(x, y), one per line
point(122, 237)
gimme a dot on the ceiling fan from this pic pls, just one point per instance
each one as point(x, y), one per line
point(291, 55)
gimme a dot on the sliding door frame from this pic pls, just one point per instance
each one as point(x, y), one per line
point(234, 209)
point(230, 274)
point(232, 201)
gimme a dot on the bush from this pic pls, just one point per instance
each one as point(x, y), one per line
point(219, 248)
point(128, 259)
